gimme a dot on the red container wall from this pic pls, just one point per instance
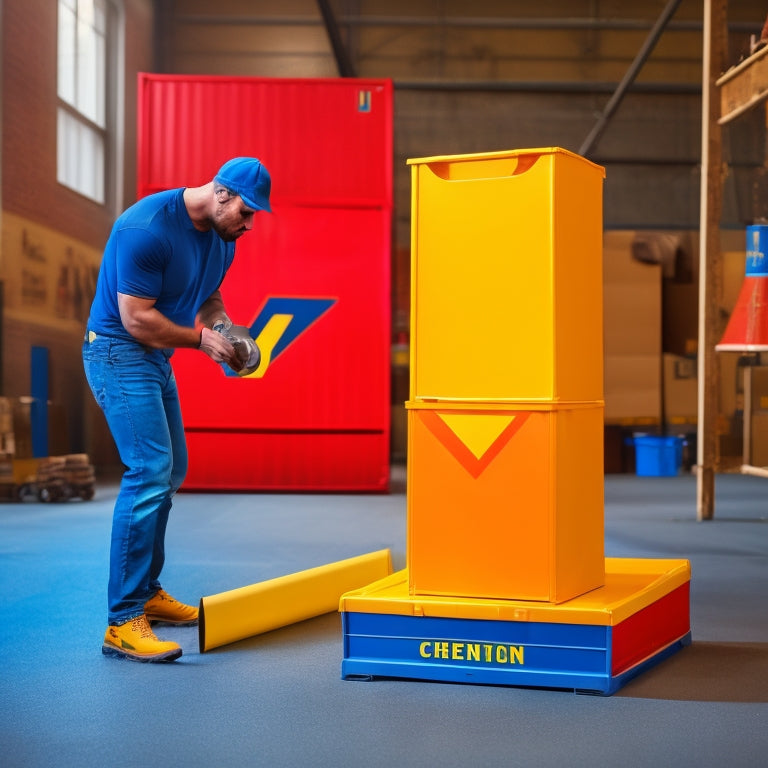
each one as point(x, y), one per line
point(325, 142)
point(318, 266)
point(335, 373)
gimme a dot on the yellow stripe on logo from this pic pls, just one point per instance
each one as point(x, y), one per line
point(270, 334)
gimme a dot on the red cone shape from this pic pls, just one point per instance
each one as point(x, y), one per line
point(747, 329)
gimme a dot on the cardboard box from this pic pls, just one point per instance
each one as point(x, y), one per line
point(632, 319)
point(18, 439)
point(758, 452)
point(618, 450)
point(22, 427)
point(680, 313)
point(633, 389)
point(731, 384)
point(7, 443)
point(680, 388)
point(6, 415)
point(756, 416)
point(734, 267)
point(631, 334)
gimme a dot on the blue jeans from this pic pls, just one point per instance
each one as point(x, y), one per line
point(136, 388)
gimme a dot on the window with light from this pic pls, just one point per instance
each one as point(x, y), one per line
point(82, 108)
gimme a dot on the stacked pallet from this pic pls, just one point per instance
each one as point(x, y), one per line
point(64, 477)
point(8, 488)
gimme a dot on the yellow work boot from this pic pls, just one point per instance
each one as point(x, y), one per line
point(162, 607)
point(136, 641)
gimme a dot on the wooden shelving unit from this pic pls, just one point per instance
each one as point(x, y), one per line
point(744, 86)
point(725, 97)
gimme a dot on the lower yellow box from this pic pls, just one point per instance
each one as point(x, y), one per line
point(505, 502)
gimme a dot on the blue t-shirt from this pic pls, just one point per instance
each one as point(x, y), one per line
point(155, 252)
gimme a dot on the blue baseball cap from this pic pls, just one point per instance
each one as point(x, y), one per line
point(247, 177)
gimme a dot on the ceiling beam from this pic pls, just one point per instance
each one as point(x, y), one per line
point(629, 77)
point(340, 53)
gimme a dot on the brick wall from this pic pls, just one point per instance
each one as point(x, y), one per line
point(30, 191)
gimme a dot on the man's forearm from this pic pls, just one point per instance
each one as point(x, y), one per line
point(211, 312)
point(155, 330)
point(152, 328)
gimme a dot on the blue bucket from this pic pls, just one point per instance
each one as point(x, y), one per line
point(658, 456)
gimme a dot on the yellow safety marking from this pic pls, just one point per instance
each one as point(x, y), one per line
point(266, 341)
point(267, 605)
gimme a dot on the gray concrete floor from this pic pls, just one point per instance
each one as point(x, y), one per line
point(277, 699)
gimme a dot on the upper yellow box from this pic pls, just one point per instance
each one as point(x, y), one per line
point(506, 283)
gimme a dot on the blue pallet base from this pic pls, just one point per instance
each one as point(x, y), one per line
point(570, 657)
point(600, 685)
point(594, 643)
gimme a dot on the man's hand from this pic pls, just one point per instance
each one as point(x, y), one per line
point(246, 349)
point(218, 347)
point(233, 345)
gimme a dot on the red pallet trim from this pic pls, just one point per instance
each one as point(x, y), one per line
point(651, 629)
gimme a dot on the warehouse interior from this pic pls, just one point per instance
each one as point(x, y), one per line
point(668, 97)
point(618, 83)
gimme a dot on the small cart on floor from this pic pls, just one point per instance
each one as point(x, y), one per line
point(54, 478)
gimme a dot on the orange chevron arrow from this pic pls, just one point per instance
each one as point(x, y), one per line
point(474, 439)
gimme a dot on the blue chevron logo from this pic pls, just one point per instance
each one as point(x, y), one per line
point(279, 323)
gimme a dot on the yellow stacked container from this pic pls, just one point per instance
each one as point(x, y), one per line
point(505, 417)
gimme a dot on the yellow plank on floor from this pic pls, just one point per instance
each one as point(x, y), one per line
point(247, 611)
